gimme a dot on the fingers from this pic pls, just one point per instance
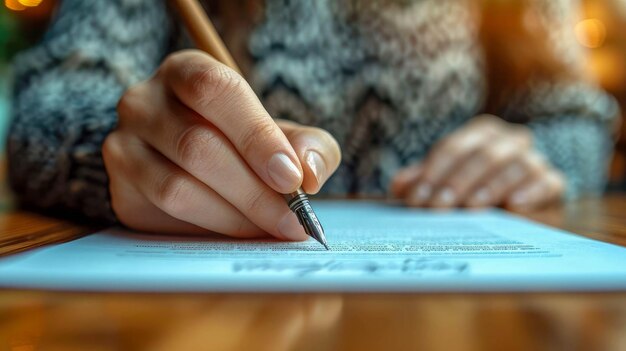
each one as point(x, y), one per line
point(524, 184)
point(172, 191)
point(486, 163)
point(135, 211)
point(479, 167)
point(202, 150)
point(494, 190)
point(223, 98)
point(444, 159)
point(539, 191)
point(317, 150)
point(403, 181)
point(201, 135)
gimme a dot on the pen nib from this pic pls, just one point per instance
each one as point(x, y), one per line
point(300, 205)
point(326, 246)
point(316, 232)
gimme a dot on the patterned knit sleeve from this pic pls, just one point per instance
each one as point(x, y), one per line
point(65, 96)
point(571, 118)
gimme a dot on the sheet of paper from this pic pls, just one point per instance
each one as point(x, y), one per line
point(374, 247)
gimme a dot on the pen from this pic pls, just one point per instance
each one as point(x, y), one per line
point(208, 40)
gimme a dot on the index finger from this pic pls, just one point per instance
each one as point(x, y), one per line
point(224, 98)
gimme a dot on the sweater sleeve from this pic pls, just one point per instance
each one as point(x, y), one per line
point(572, 119)
point(65, 95)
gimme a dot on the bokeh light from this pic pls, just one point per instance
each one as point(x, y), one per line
point(591, 33)
point(20, 5)
point(30, 3)
point(14, 5)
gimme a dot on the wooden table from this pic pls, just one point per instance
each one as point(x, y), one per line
point(41, 320)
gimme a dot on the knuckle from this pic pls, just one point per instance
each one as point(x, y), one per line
point(171, 194)
point(198, 146)
point(208, 85)
point(125, 105)
point(450, 147)
point(492, 155)
point(175, 60)
point(488, 122)
point(560, 183)
point(535, 164)
point(201, 78)
point(130, 99)
point(170, 60)
point(486, 118)
point(444, 144)
point(131, 105)
point(112, 150)
point(522, 136)
point(490, 126)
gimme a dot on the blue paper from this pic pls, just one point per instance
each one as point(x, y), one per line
point(374, 247)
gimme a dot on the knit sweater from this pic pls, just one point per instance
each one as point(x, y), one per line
point(386, 78)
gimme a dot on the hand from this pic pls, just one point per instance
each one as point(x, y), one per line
point(196, 152)
point(488, 162)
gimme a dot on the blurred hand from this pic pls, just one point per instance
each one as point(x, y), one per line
point(196, 152)
point(488, 162)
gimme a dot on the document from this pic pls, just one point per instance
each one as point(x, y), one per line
point(375, 247)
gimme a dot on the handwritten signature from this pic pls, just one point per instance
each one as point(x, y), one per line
point(302, 268)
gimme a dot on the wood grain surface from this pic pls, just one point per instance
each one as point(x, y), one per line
point(41, 320)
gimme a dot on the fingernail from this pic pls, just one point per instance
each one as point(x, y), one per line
point(290, 228)
point(445, 197)
point(423, 192)
point(518, 198)
point(481, 197)
point(316, 164)
point(284, 173)
point(419, 195)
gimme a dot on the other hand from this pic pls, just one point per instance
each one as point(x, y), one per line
point(488, 162)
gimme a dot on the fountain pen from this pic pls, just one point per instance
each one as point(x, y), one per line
point(299, 204)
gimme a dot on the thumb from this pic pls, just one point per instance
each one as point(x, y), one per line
point(317, 150)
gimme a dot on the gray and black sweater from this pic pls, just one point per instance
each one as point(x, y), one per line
point(386, 78)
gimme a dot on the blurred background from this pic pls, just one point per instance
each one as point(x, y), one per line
point(601, 29)
point(21, 25)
